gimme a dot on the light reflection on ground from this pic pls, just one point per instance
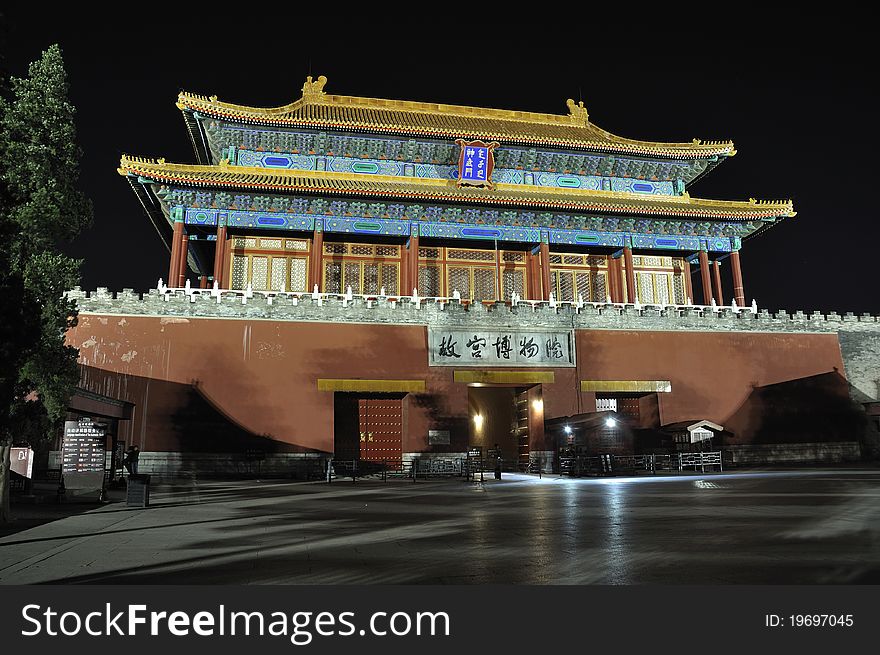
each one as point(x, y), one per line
point(818, 526)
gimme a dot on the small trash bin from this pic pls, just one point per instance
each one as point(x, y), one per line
point(138, 491)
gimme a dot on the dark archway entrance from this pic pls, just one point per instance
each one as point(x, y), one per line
point(510, 416)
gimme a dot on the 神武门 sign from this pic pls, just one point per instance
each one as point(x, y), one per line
point(457, 347)
point(475, 163)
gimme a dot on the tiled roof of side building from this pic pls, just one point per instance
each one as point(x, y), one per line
point(319, 110)
point(439, 190)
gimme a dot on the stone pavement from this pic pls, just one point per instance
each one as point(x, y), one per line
point(817, 526)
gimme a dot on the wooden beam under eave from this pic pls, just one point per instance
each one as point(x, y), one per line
point(504, 377)
point(374, 386)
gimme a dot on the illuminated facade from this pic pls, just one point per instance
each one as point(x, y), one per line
point(339, 192)
point(366, 277)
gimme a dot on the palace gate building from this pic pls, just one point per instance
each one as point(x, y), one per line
point(385, 279)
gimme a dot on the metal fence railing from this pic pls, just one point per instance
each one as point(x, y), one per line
point(390, 469)
point(640, 464)
point(479, 468)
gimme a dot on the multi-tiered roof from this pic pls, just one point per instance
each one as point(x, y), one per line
point(320, 124)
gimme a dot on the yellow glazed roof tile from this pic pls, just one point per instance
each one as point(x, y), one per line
point(317, 109)
point(439, 190)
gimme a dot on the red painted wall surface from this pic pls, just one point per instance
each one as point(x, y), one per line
point(712, 373)
point(211, 384)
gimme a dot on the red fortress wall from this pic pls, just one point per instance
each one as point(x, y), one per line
point(192, 378)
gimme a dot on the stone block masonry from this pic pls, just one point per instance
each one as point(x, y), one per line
point(859, 336)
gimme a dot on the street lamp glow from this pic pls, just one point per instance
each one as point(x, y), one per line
point(478, 422)
point(538, 405)
point(610, 422)
point(567, 429)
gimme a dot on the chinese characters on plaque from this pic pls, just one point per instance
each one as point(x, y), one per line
point(458, 347)
point(475, 163)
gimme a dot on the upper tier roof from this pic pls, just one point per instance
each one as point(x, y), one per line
point(316, 109)
point(439, 190)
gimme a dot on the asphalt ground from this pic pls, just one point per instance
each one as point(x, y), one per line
point(786, 527)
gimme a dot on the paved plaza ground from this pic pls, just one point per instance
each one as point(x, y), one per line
point(816, 526)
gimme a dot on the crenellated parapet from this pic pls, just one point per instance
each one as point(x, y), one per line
point(406, 310)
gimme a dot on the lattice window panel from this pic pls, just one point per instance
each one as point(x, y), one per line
point(239, 271)
point(554, 282)
point(661, 288)
point(296, 244)
point(597, 260)
point(637, 260)
point(582, 285)
point(666, 261)
point(508, 256)
point(259, 273)
point(388, 251)
point(555, 259)
point(678, 289)
point(370, 278)
point(271, 243)
point(459, 279)
point(484, 284)
point(244, 242)
point(471, 255)
point(573, 259)
point(335, 248)
point(645, 287)
point(429, 253)
point(651, 261)
point(362, 250)
point(298, 273)
point(332, 277)
point(390, 279)
point(351, 277)
point(279, 273)
point(599, 288)
point(566, 286)
point(429, 281)
point(513, 280)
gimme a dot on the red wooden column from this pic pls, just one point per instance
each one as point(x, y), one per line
point(719, 294)
point(704, 275)
point(183, 266)
point(226, 263)
point(630, 275)
point(218, 254)
point(537, 294)
point(173, 271)
point(412, 265)
point(739, 294)
point(529, 275)
point(203, 281)
point(688, 283)
point(544, 253)
point(316, 260)
point(613, 275)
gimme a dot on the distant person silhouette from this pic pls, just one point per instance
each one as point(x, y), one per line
point(131, 459)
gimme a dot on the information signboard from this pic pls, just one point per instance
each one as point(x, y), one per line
point(83, 458)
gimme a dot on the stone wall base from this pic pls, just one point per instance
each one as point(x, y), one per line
point(795, 453)
point(175, 464)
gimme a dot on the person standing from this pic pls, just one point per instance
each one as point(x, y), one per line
point(131, 459)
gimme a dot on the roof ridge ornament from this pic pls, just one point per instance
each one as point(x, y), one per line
point(577, 111)
point(314, 91)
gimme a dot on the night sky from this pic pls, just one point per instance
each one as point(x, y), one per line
point(800, 115)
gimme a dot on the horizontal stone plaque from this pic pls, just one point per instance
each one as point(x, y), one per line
point(494, 347)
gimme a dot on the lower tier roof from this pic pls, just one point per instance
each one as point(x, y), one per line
point(438, 190)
